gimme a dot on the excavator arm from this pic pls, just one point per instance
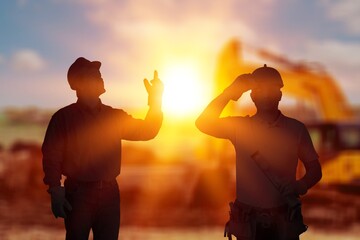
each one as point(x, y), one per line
point(300, 81)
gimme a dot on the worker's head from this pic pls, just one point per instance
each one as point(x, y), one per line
point(266, 88)
point(85, 78)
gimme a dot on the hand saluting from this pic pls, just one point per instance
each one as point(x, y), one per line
point(240, 85)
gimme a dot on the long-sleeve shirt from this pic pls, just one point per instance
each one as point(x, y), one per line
point(85, 144)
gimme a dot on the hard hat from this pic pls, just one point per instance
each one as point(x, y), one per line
point(267, 75)
point(79, 69)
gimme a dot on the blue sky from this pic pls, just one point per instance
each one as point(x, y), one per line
point(40, 39)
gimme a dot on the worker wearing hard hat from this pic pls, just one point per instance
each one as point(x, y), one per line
point(268, 146)
point(83, 143)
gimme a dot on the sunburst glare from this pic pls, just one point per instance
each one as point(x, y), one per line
point(184, 92)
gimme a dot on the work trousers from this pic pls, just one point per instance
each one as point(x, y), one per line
point(269, 232)
point(96, 207)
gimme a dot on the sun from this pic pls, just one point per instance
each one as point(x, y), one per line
point(184, 92)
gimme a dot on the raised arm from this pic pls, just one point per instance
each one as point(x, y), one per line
point(209, 121)
point(141, 130)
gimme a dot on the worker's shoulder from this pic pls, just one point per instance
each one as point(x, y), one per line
point(74, 108)
point(292, 122)
point(114, 111)
point(69, 109)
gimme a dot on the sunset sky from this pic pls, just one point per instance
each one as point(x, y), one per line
point(181, 39)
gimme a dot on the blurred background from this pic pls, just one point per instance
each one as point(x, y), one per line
point(178, 185)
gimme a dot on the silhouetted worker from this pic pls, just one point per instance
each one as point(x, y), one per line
point(83, 143)
point(268, 146)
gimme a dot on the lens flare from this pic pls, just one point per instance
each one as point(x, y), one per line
point(184, 92)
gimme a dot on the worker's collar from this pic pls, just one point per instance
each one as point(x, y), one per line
point(83, 105)
point(276, 123)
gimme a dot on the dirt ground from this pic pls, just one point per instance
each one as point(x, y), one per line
point(135, 233)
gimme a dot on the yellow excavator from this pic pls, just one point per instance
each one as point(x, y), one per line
point(319, 103)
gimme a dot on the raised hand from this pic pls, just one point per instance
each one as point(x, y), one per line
point(240, 85)
point(155, 90)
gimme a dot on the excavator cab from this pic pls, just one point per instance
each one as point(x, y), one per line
point(338, 145)
point(329, 138)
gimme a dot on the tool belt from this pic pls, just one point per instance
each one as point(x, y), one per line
point(292, 224)
point(242, 224)
point(244, 219)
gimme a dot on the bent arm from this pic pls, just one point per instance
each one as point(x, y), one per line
point(307, 154)
point(209, 121)
point(142, 129)
point(313, 173)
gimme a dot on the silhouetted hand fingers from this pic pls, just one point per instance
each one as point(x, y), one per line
point(147, 85)
point(240, 85)
point(156, 79)
point(155, 89)
point(156, 76)
point(244, 81)
point(157, 85)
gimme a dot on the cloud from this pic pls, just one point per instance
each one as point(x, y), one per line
point(27, 60)
point(152, 28)
point(345, 11)
point(137, 18)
